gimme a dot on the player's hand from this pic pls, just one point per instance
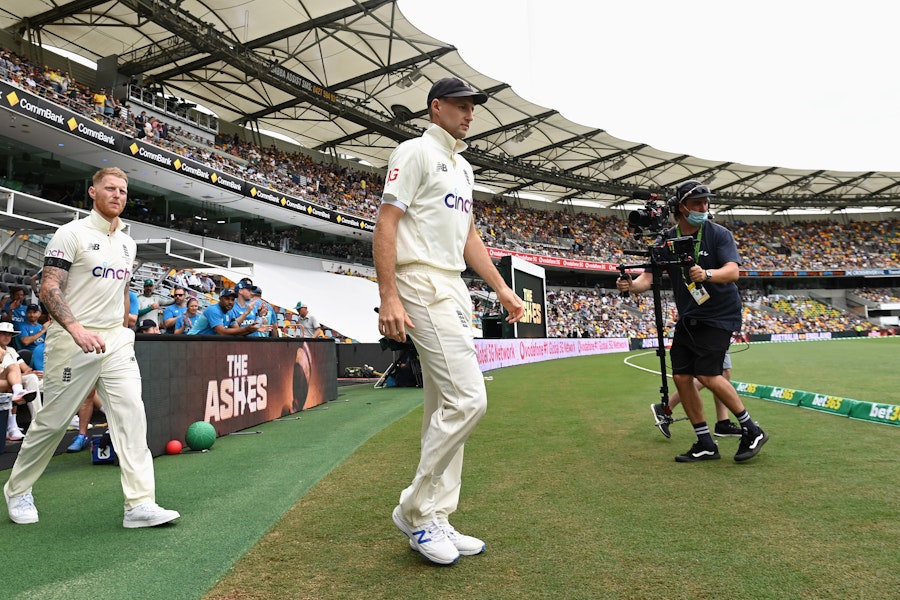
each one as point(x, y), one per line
point(393, 320)
point(513, 305)
point(88, 341)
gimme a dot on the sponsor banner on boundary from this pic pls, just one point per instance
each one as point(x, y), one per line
point(497, 353)
point(832, 404)
point(887, 414)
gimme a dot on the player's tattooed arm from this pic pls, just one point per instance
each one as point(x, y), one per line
point(54, 299)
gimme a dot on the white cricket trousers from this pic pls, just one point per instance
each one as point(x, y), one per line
point(439, 306)
point(69, 376)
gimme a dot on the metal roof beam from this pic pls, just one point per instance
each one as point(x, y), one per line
point(59, 13)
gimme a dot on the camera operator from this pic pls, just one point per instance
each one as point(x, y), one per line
point(709, 311)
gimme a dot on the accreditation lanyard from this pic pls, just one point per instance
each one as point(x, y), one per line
point(696, 244)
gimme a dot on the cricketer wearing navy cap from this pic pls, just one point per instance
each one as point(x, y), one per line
point(453, 87)
point(425, 237)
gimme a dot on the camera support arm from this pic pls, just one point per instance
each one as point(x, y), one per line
point(656, 269)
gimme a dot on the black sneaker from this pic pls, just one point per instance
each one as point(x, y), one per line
point(661, 419)
point(727, 429)
point(698, 453)
point(750, 445)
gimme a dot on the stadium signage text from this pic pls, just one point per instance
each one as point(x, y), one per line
point(239, 393)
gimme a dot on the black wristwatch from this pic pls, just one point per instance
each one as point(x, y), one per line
point(708, 274)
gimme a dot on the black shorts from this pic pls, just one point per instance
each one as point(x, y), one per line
point(698, 349)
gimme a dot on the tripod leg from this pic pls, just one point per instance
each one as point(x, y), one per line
point(382, 381)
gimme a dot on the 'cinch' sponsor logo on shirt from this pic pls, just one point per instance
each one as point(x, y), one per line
point(104, 271)
point(458, 203)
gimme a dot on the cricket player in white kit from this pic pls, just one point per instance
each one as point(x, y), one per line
point(424, 238)
point(87, 267)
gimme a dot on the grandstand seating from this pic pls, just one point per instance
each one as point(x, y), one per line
point(807, 245)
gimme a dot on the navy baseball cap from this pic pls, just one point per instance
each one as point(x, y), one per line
point(227, 293)
point(243, 285)
point(453, 87)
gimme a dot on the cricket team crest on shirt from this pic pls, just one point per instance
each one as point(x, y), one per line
point(463, 320)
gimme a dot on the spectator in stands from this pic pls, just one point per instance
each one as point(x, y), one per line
point(100, 101)
point(245, 307)
point(308, 325)
point(148, 303)
point(32, 334)
point(15, 307)
point(207, 284)
point(16, 378)
point(214, 321)
point(175, 310)
point(186, 321)
point(709, 310)
point(133, 309)
point(265, 316)
point(148, 326)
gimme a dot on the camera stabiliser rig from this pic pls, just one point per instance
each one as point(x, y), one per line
point(649, 223)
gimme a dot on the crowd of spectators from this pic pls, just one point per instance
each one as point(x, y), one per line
point(596, 312)
point(877, 295)
point(808, 245)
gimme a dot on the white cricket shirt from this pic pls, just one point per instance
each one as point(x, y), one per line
point(429, 179)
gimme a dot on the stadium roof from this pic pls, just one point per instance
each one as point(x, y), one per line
point(351, 76)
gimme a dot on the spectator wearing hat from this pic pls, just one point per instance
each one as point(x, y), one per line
point(32, 334)
point(148, 326)
point(214, 319)
point(245, 307)
point(308, 324)
point(148, 303)
point(16, 378)
point(265, 316)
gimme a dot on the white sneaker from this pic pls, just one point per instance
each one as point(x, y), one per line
point(428, 539)
point(21, 508)
point(466, 544)
point(73, 424)
point(14, 434)
point(148, 515)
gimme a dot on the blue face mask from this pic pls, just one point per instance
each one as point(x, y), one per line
point(696, 218)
